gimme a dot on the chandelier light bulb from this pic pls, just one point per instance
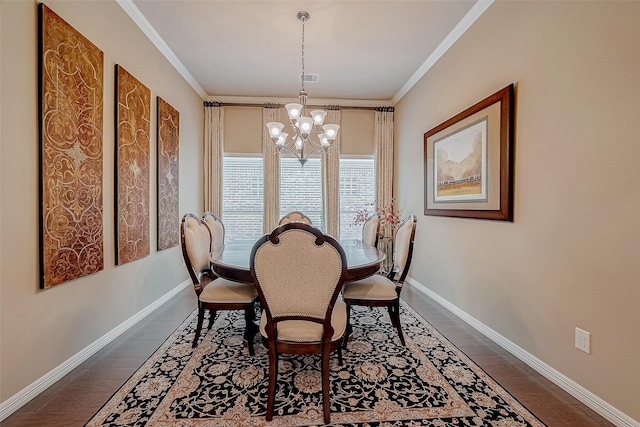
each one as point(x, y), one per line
point(331, 131)
point(318, 117)
point(305, 125)
point(275, 129)
point(293, 110)
point(281, 139)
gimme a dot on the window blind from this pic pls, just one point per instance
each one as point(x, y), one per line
point(357, 191)
point(242, 198)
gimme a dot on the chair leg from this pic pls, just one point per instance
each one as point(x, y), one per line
point(339, 349)
point(212, 316)
point(325, 385)
point(249, 329)
point(392, 316)
point(396, 320)
point(198, 326)
point(347, 331)
point(273, 377)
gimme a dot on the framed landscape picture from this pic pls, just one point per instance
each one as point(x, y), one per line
point(468, 162)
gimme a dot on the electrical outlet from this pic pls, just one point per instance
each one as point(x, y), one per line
point(583, 340)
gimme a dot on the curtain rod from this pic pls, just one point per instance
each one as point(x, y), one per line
point(275, 105)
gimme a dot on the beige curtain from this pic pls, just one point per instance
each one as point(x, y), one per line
point(271, 164)
point(383, 155)
point(213, 155)
point(330, 179)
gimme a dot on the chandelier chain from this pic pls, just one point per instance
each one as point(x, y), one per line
point(302, 76)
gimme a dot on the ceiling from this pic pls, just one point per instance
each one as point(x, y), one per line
point(364, 52)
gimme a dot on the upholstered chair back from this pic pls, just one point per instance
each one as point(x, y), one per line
point(403, 246)
point(294, 216)
point(217, 230)
point(298, 271)
point(196, 246)
point(370, 230)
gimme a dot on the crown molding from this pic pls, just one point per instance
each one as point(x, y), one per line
point(472, 15)
point(146, 27)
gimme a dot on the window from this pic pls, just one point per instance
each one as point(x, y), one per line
point(357, 191)
point(242, 198)
point(301, 189)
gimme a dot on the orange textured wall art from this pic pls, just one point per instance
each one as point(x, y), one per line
point(168, 173)
point(71, 127)
point(133, 121)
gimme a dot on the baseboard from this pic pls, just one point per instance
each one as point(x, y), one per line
point(24, 396)
point(603, 408)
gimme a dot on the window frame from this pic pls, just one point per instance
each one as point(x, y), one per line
point(370, 208)
point(228, 226)
point(313, 214)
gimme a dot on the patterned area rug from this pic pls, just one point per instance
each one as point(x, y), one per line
point(381, 383)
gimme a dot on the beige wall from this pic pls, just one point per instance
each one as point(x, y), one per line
point(41, 329)
point(356, 132)
point(243, 130)
point(571, 256)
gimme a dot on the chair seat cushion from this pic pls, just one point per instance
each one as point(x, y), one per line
point(226, 291)
point(304, 331)
point(376, 287)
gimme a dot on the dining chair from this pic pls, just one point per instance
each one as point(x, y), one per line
point(371, 230)
point(384, 291)
point(295, 216)
point(214, 293)
point(298, 272)
point(217, 229)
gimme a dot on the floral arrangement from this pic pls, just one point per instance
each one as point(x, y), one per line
point(389, 215)
point(361, 215)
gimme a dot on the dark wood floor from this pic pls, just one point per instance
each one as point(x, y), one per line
point(74, 399)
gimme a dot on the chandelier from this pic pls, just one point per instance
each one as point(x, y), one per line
point(301, 144)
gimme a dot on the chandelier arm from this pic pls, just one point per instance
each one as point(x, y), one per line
point(314, 151)
point(291, 145)
point(306, 139)
point(296, 129)
point(312, 143)
point(304, 156)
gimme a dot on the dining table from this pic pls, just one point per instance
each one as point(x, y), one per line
point(231, 261)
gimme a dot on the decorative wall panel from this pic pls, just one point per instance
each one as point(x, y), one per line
point(133, 121)
point(71, 127)
point(168, 135)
